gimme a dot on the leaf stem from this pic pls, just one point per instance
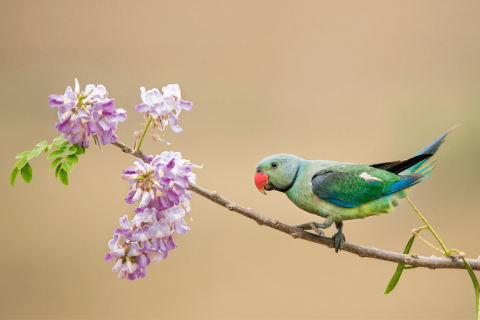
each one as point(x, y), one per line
point(144, 132)
point(429, 227)
point(431, 245)
point(448, 253)
point(428, 243)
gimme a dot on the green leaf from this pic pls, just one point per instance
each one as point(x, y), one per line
point(71, 150)
point(64, 144)
point(398, 272)
point(67, 166)
point(47, 150)
point(79, 149)
point(59, 166)
point(475, 285)
point(55, 154)
point(19, 165)
point(55, 162)
point(64, 176)
point(41, 144)
point(27, 173)
point(39, 150)
point(58, 138)
point(72, 158)
point(31, 155)
point(13, 176)
point(58, 144)
point(21, 155)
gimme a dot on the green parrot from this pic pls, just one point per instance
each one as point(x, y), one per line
point(341, 191)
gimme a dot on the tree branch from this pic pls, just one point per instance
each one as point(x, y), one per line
point(127, 149)
point(364, 252)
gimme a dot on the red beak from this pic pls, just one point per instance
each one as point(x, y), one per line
point(261, 179)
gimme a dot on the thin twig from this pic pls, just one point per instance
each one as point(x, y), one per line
point(364, 252)
point(138, 153)
point(428, 227)
point(417, 234)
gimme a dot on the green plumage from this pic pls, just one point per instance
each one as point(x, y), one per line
point(350, 188)
point(343, 191)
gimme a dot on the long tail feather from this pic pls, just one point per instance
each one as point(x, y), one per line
point(429, 170)
point(429, 149)
point(426, 167)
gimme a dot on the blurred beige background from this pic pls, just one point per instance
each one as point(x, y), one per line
point(360, 81)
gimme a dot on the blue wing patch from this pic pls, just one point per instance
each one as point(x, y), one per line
point(402, 184)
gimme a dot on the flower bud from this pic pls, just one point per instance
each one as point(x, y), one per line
point(156, 137)
point(461, 255)
point(137, 134)
point(146, 198)
point(138, 195)
point(122, 274)
point(130, 176)
point(118, 266)
point(415, 232)
point(118, 253)
point(66, 115)
point(84, 95)
point(77, 87)
point(129, 265)
point(140, 167)
point(149, 168)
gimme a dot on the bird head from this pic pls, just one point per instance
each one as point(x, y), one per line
point(277, 172)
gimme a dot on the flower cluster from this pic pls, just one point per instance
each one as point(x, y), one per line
point(161, 187)
point(161, 183)
point(87, 113)
point(148, 238)
point(159, 108)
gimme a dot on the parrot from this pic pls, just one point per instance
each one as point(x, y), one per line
point(339, 191)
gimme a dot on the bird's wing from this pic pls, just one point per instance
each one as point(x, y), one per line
point(350, 185)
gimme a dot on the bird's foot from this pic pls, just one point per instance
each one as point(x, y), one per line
point(310, 226)
point(338, 240)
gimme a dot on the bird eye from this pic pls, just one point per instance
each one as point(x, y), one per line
point(274, 165)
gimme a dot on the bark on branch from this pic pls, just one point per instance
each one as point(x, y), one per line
point(127, 149)
point(364, 252)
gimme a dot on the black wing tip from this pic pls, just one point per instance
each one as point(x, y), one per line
point(399, 166)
